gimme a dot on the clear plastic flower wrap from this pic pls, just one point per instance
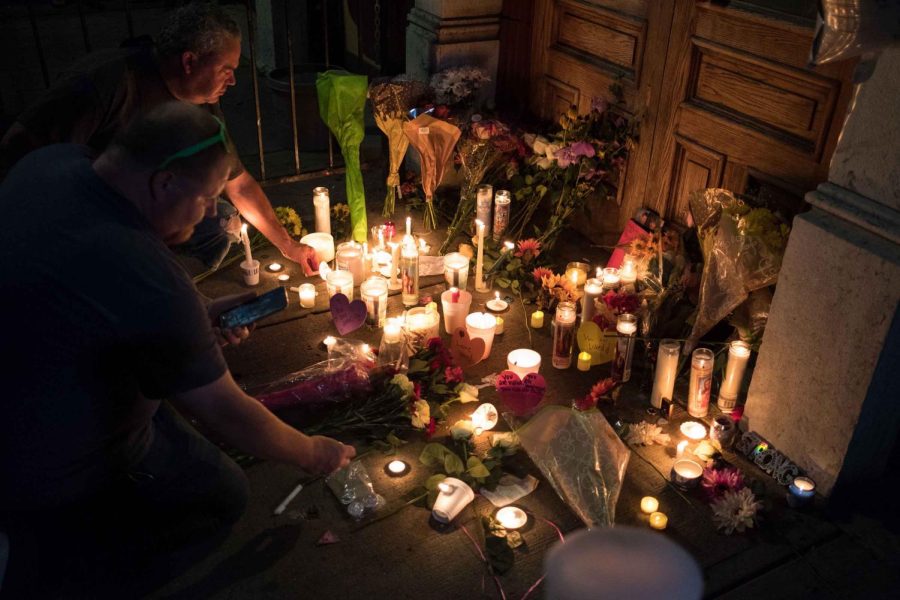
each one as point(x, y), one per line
point(353, 487)
point(581, 456)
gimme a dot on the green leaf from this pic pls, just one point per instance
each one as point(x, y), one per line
point(499, 554)
point(476, 468)
point(394, 441)
point(453, 464)
point(515, 284)
point(503, 282)
point(432, 482)
point(433, 455)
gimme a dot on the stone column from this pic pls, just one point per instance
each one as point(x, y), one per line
point(826, 391)
point(453, 33)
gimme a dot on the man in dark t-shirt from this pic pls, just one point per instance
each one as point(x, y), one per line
point(101, 324)
point(194, 60)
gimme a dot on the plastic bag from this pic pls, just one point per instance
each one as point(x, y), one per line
point(849, 28)
point(353, 487)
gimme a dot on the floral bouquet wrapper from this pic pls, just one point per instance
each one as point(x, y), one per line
point(742, 251)
point(581, 456)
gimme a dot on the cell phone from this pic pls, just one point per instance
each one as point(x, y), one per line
point(253, 310)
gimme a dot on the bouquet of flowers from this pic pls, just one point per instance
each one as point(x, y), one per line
point(437, 382)
point(291, 221)
point(434, 140)
point(458, 85)
point(554, 289)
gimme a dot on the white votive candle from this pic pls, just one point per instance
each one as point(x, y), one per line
point(523, 361)
point(511, 517)
point(453, 496)
point(738, 356)
point(307, 293)
point(666, 370)
point(593, 289)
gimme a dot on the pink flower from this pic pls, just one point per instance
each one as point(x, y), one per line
point(716, 482)
point(528, 249)
point(453, 374)
point(583, 149)
point(599, 104)
point(600, 389)
point(540, 272)
point(485, 130)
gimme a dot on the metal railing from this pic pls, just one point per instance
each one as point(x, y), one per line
point(299, 174)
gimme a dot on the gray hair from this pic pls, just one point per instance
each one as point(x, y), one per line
point(198, 27)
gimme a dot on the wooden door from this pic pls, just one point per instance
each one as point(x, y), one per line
point(723, 94)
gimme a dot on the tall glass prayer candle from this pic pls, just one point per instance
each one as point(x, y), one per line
point(738, 355)
point(628, 273)
point(563, 335)
point(593, 289)
point(409, 274)
point(666, 369)
point(610, 278)
point(349, 257)
point(502, 201)
point(339, 282)
point(484, 326)
point(484, 197)
point(374, 292)
point(322, 205)
point(701, 382)
point(479, 261)
point(394, 282)
point(456, 270)
point(626, 327)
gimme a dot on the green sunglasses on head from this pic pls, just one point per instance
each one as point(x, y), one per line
point(199, 146)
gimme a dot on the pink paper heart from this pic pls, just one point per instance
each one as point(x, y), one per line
point(521, 396)
point(466, 351)
point(348, 316)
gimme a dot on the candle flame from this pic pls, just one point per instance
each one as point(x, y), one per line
point(244, 229)
point(330, 341)
point(445, 488)
point(509, 245)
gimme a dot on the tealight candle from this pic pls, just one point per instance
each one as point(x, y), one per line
point(511, 517)
point(500, 325)
point(584, 361)
point(659, 521)
point(693, 430)
point(396, 468)
point(523, 361)
point(537, 319)
point(322, 243)
point(274, 267)
point(284, 277)
point(686, 473)
point(453, 496)
point(497, 305)
point(801, 492)
point(307, 293)
point(649, 504)
point(323, 209)
point(738, 356)
point(482, 325)
point(484, 418)
point(339, 282)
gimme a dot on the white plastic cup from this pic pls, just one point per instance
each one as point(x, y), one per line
point(250, 271)
point(455, 312)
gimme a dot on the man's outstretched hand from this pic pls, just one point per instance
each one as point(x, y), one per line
point(327, 455)
point(303, 255)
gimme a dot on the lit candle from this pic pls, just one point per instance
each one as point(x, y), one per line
point(801, 492)
point(523, 361)
point(245, 237)
point(349, 257)
point(511, 517)
point(563, 335)
point(274, 267)
point(323, 209)
point(537, 319)
point(686, 473)
point(456, 305)
point(610, 278)
point(593, 289)
point(501, 213)
point(626, 327)
point(500, 326)
point(479, 261)
point(307, 295)
point(584, 361)
point(453, 496)
point(423, 246)
point(339, 282)
point(284, 277)
point(693, 430)
point(701, 382)
point(409, 274)
point(649, 504)
point(482, 325)
point(497, 305)
point(392, 331)
point(666, 369)
point(392, 351)
point(628, 273)
point(576, 272)
point(456, 270)
point(681, 446)
point(484, 196)
point(322, 243)
point(408, 226)
point(329, 342)
point(394, 282)
point(421, 324)
point(659, 521)
point(484, 418)
point(396, 468)
point(374, 292)
point(738, 355)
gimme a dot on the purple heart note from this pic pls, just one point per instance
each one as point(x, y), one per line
point(348, 316)
point(521, 396)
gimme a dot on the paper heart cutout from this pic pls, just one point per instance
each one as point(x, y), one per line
point(521, 396)
point(466, 351)
point(593, 340)
point(348, 316)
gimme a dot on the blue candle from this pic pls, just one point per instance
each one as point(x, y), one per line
point(801, 492)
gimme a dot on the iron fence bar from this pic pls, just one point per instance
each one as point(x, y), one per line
point(259, 135)
point(327, 66)
point(317, 174)
point(40, 47)
point(129, 19)
point(84, 29)
point(290, 50)
point(359, 49)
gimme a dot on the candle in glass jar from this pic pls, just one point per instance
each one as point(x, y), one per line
point(801, 492)
point(523, 361)
point(658, 521)
point(610, 278)
point(584, 361)
point(349, 257)
point(339, 282)
point(409, 275)
point(484, 198)
point(537, 319)
point(626, 327)
point(482, 325)
point(593, 289)
point(322, 243)
point(322, 206)
point(374, 292)
point(456, 270)
point(738, 355)
point(576, 272)
point(501, 213)
point(686, 474)
point(701, 382)
point(628, 273)
point(479, 261)
point(666, 369)
point(563, 335)
point(392, 351)
point(307, 293)
point(421, 324)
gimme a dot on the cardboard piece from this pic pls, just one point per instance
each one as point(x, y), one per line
point(465, 351)
point(599, 344)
